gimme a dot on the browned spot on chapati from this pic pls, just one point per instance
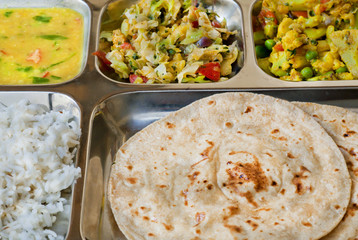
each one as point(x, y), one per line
point(249, 198)
point(211, 102)
point(289, 155)
point(205, 153)
point(307, 224)
point(184, 193)
point(151, 234)
point(168, 227)
point(248, 109)
point(241, 173)
point(228, 124)
point(199, 217)
point(193, 176)
point(297, 180)
point(132, 180)
point(352, 209)
point(275, 131)
point(130, 167)
point(282, 138)
point(233, 228)
point(252, 224)
point(170, 125)
point(349, 133)
point(146, 218)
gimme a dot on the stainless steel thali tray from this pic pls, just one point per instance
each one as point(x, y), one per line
point(110, 111)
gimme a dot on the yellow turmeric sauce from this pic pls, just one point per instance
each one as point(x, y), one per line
point(40, 45)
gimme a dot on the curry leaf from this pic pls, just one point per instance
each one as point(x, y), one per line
point(39, 80)
point(8, 13)
point(44, 19)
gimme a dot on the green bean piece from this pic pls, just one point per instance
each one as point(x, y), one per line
point(342, 69)
point(269, 44)
point(307, 72)
point(311, 54)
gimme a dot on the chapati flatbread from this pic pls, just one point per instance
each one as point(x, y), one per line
point(342, 126)
point(230, 166)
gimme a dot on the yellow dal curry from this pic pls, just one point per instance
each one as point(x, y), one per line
point(40, 45)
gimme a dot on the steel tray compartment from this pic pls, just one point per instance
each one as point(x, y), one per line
point(77, 5)
point(264, 80)
point(53, 101)
point(110, 19)
point(118, 117)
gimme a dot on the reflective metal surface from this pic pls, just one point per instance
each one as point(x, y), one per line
point(111, 112)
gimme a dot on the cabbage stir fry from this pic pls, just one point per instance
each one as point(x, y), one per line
point(307, 40)
point(166, 41)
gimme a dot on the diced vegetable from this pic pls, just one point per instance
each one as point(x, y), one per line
point(270, 43)
point(102, 57)
point(307, 72)
point(311, 54)
point(35, 56)
point(126, 45)
point(342, 69)
point(262, 51)
point(259, 37)
point(133, 78)
point(300, 14)
point(278, 47)
point(204, 42)
point(313, 33)
point(210, 70)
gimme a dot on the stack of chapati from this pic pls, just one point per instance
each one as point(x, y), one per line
point(240, 166)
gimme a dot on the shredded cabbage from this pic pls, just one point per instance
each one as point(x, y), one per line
point(159, 40)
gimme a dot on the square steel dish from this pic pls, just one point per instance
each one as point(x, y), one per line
point(265, 80)
point(110, 19)
point(238, 14)
point(117, 118)
point(52, 101)
point(76, 5)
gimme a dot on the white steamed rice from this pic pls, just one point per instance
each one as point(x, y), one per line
point(37, 148)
